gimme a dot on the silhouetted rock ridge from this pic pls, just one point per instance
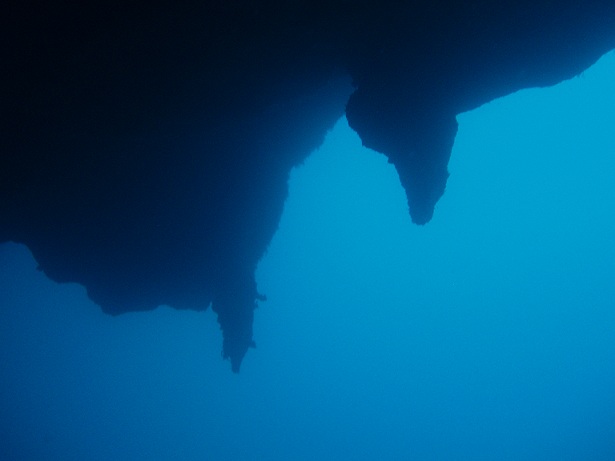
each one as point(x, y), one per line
point(146, 146)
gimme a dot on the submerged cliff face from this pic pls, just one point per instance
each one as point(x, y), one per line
point(146, 148)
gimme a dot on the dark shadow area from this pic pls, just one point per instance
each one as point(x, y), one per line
point(146, 147)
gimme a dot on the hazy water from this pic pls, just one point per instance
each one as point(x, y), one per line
point(488, 334)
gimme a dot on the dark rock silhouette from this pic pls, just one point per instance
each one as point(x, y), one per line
point(146, 147)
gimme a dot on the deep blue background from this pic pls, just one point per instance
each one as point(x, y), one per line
point(488, 334)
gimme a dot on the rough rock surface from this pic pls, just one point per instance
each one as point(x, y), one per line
point(146, 146)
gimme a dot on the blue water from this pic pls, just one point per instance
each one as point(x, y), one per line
point(488, 334)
